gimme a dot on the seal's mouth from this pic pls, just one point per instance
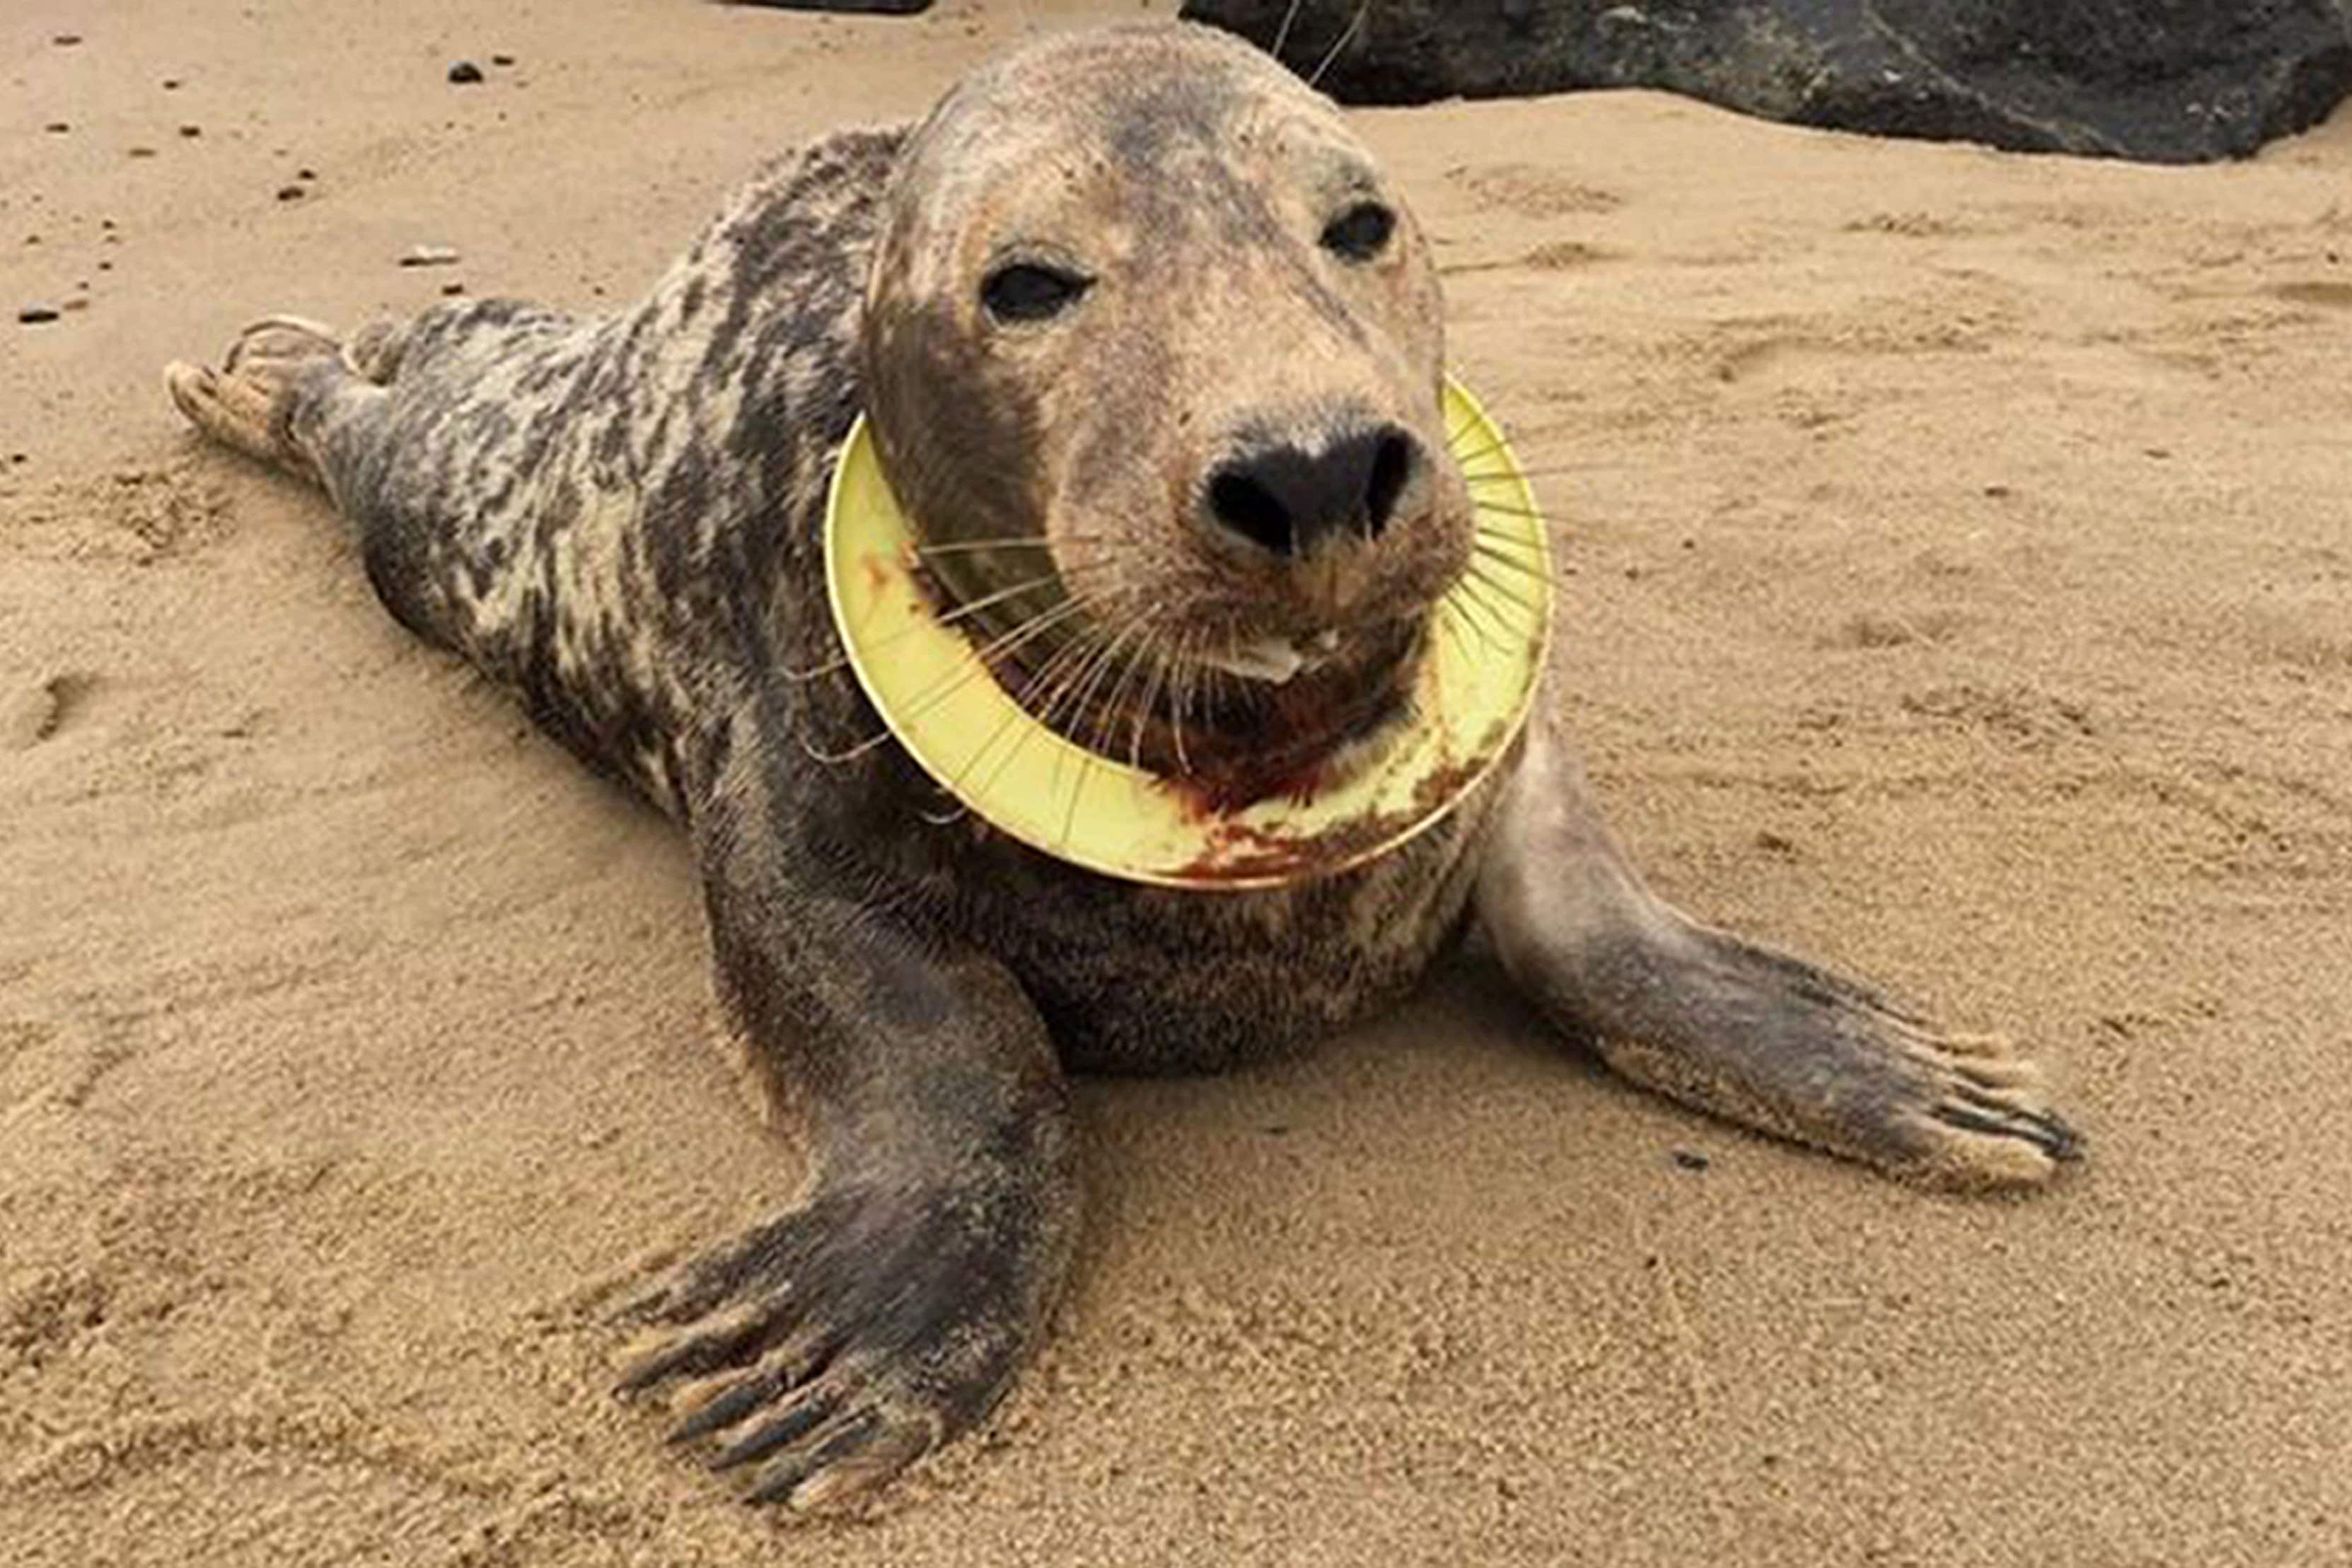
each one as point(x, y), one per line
point(1276, 660)
point(1241, 676)
point(1293, 715)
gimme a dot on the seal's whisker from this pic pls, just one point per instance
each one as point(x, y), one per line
point(1152, 690)
point(1104, 733)
point(1459, 618)
point(1463, 459)
point(965, 547)
point(1476, 591)
point(1497, 477)
point(1082, 709)
point(1089, 647)
point(1528, 570)
point(1097, 668)
point(930, 699)
point(1013, 715)
point(1282, 34)
point(1460, 604)
point(1010, 541)
point(1514, 548)
point(1067, 704)
point(1070, 813)
point(1444, 624)
point(1347, 37)
point(1553, 471)
point(946, 618)
point(1004, 643)
point(1021, 706)
point(1480, 575)
point(1087, 754)
point(1516, 555)
point(1038, 691)
point(1181, 700)
point(1023, 701)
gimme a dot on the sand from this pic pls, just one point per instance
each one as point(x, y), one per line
point(1960, 558)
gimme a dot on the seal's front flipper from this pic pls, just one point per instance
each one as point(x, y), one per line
point(889, 1306)
point(1752, 1035)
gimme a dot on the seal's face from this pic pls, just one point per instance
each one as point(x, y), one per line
point(1154, 354)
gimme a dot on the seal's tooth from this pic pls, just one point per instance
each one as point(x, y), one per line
point(1272, 659)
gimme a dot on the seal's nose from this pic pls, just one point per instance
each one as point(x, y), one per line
point(1286, 499)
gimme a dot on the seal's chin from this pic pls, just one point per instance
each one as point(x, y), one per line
point(1303, 716)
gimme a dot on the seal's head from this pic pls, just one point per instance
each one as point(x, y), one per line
point(1154, 359)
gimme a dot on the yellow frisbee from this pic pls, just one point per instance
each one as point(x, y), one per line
point(1022, 776)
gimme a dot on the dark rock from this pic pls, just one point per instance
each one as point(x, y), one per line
point(1691, 1160)
point(66, 40)
point(37, 315)
point(465, 73)
point(502, 59)
point(292, 192)
point(192, 131)
point(2170, 81)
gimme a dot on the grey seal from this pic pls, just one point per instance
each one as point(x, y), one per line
point(1150, 346)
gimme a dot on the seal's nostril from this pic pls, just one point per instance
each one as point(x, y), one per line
point(1251, 510)
point(1391, 467)
point(1287, 499)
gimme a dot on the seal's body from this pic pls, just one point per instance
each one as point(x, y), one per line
point(620, 519)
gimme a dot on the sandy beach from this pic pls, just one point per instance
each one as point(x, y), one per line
point(1960, 590)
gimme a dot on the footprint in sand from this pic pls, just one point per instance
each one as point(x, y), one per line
point(32, 714)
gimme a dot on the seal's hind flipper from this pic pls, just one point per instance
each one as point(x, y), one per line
point(251, 402)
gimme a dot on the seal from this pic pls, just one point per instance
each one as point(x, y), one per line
point(1150, 353)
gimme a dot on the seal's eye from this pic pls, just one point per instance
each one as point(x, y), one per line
point(1027, 292)
point(1360, 233)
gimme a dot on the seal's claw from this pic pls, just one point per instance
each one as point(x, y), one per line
point(845, 1338)
point(843, 1462)
point(732, 1403)
point(803, 1415)
point(1979, 1135)
point(2001, 1114)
